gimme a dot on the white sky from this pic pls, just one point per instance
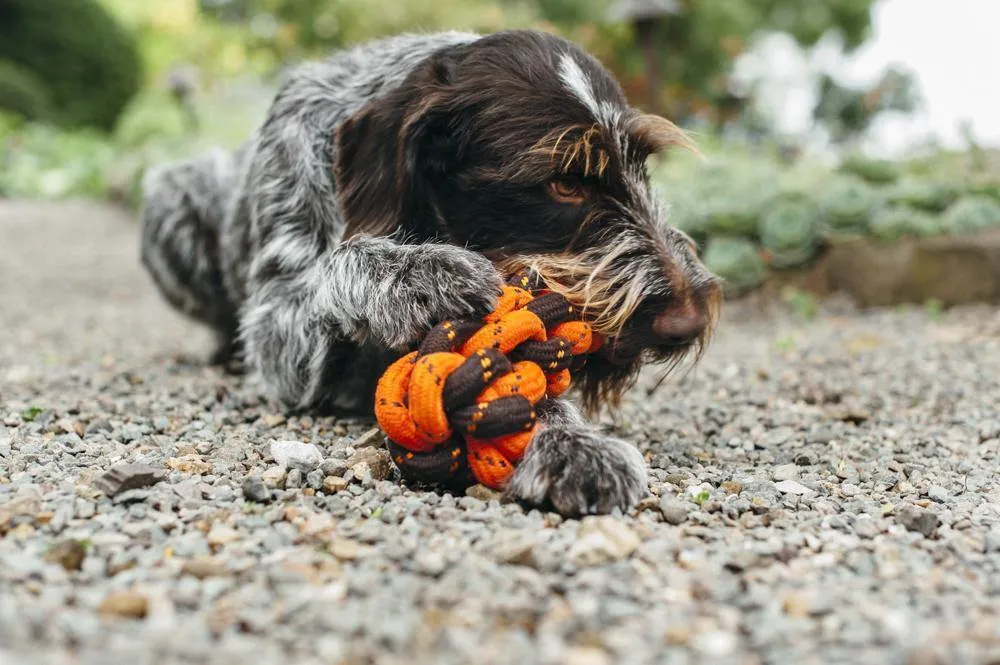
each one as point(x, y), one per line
point(952, 45)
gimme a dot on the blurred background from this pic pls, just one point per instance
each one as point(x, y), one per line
point(822, 122)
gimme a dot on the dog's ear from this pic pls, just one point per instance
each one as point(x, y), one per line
point(391, 152)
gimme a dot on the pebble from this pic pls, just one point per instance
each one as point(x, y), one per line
point(274, 477)
point(793, 487)
point(295, 455)
point(674, 511)
point(255, 489)
point(602, 540)
point(67, 553)
point(333, 484)
point(122, 477)
point(918, 519)
point(202, 568)
point(127, 604)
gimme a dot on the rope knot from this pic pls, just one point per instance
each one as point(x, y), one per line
point(465, 401)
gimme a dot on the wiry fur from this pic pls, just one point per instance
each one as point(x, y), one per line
point(388, 186)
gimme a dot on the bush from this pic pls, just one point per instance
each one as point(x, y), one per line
point(923, 195)
point(90, 64)
point(22, 92)
point(848, 204)
point(898, 221)
point(789, 233)
point(875, 171)
point(737, 261)
point(970, 214)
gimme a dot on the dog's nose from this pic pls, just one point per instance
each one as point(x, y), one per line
point(679, 324)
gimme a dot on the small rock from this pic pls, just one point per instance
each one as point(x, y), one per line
point(122, 477)
point(221, 534)
point(128, 604)
point(715, 644)
point(785, 472)
point(586, 656)
point(254, 489)
point(333, 484)
point(346, 550)
point(515, 548)
point(377, 461)
point(272, 420)
point(603, 540)
point(333, 467)
point(992, 543)
point(918, 519)
point(203, 567)
point(373, 438)
point(67, 553)
point(274, 477)
point(732, 486)
point(674, 511)
point(192, 464)
point(314, 479)
point(793, 487)
point(937, 493)
point(483, 493)
point(296, 455)
point(293, 479)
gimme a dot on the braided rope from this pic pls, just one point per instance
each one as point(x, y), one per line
point(464, 402)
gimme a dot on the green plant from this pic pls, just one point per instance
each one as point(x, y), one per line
point(789, 233)
point(875, 171)
point(22, 92)
point(847, 204)
point(927, 195)
point(28, 415)
point(89, 63)
point(970, 214)
point(737, 261)
point(898, 221)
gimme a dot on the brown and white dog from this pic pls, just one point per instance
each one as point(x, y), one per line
point(389, 188)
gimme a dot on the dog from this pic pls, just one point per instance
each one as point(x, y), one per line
point(391, 186)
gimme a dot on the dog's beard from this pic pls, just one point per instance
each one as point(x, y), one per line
point(608, 290)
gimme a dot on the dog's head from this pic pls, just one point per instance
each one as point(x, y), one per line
point(523, 147)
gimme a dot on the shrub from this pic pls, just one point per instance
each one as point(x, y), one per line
point(789, 233)
point(737, 261)
point(847, 204)
point(897, 221)
point(90, 64)
point(970, 214)
point(875, 171)
point(22, 92)
point(923, 195)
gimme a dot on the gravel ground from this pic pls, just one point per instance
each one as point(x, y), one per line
point(821, 490)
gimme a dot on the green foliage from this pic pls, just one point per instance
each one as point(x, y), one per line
point(789, 231)
point(22, 92)
point(88, 61)
point(42, 162)
point(926, 195)
point(875, 171)
point(28, 415)
point(898, 221)
point(970, 214)
point(847, 204)
point(737, 261)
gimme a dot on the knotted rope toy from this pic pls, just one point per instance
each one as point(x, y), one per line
point(465, 401)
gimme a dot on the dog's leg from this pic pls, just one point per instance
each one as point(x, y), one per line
point(183, 208)
point(366, 290)
point(576, 469)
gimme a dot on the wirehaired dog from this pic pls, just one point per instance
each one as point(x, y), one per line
point(389, 189)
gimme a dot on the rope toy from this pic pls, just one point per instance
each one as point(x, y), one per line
point(464, 402)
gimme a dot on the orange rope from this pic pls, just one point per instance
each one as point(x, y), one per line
point(461, 395)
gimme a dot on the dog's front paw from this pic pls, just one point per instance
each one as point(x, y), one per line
point(437, 283)
point(579, 471)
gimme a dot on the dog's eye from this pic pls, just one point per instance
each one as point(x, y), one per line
point(568, 190)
